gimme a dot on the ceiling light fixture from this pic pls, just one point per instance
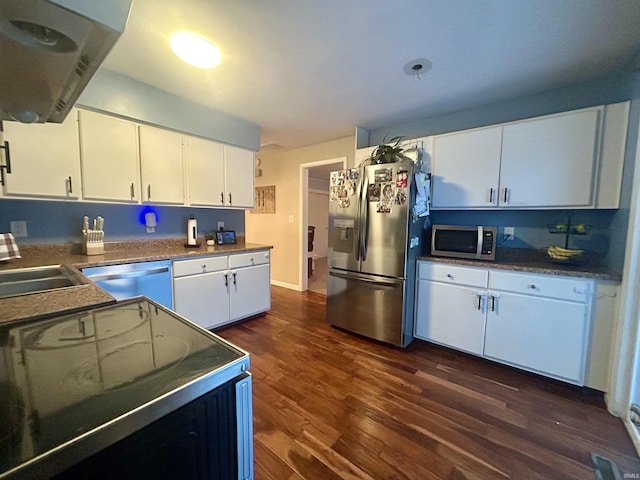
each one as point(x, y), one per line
point(417, 67)
point(195, 49)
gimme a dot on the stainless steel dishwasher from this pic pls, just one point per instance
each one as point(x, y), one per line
point(151, 279)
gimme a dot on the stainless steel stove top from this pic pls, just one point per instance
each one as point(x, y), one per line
point(80, 382)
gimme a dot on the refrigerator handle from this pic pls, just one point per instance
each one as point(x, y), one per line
point(365, 233)
point(356, 239)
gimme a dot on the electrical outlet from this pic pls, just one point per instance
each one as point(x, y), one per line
point(18, 228)
point(220, 225)
point(509, 233)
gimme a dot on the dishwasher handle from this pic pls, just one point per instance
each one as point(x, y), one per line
point(126, 275)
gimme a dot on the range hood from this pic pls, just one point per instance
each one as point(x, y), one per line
point(50, 49)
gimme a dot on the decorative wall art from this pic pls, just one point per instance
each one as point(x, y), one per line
point(265, 200)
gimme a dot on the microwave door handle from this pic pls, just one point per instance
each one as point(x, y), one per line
point(365, 233)
point(479, 244)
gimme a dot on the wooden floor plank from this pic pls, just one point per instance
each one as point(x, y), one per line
point(329, 404)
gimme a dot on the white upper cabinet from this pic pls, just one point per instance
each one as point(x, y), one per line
point(161, 166)
point(109, 156)
point(44, 159)
point(238, 173)
point(220, 175)
point(466, 169)
point(551, 161)
point(568, 160)
point(206, 172)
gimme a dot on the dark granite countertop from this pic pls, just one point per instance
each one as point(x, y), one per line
point(71, 299)
point(533, 261)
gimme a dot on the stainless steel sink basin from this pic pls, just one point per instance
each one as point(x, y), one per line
point(36, 280)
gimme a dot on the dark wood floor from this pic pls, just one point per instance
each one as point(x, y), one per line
point(330, 405)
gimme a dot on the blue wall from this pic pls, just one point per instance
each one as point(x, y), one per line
point(119, 95)
point(61, 222)
point(532, 227)
point(611, 89)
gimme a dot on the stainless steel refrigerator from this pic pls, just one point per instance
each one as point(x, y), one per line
point(374, 238)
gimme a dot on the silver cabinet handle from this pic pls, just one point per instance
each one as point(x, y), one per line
point(505, 194)
point(479, 301)
point(149, 191)
point(230, 202)
point(222, 198)
point(491, 196)
point(133, 192)
point(493, 303)
point(70, 184)
point(226, 280)
point(234, 278)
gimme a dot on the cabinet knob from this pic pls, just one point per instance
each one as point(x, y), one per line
point(251, 259)
point(449, 276)
point(532, 286)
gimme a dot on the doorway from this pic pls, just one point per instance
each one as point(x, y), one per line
point(314, 205)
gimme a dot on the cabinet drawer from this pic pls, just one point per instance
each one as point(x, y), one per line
point(199, 265)
point(551, 286)
point(248, 259)
point(456, 275)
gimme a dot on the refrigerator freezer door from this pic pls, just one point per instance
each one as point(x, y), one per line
point(385, 219)
point(369, 305)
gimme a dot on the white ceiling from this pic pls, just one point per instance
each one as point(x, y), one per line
point(307, 71)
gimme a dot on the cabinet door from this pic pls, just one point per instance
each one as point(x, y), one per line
point(550, 162)
point(45, 159)
point(203, 299)
point(540, 334)
point(250, 291)
point(238, 171)
point(206, 172)
point(109, 155)
point(161, 166)
point(450, 315)
point(465, 169)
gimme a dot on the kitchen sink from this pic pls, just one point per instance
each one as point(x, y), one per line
point(37, 280)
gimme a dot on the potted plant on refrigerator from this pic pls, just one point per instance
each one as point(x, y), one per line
point(388, 152)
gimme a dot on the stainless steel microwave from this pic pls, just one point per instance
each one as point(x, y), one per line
point(475, 242)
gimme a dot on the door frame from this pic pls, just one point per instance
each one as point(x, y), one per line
point(624, 386)
point(303, 214)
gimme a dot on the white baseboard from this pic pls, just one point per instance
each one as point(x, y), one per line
point(290, 286)
point(633, 433)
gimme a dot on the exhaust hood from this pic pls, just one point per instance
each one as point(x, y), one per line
point(50, 49)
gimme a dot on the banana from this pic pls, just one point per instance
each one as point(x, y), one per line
point(560, 253)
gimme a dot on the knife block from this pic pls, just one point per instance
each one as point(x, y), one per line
point(93, 242)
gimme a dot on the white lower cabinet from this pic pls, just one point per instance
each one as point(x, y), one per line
point(213, 291)
point(535, 322)
point(457, 318)
point(541, 334)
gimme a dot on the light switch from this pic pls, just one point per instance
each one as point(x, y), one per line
point(291, 218)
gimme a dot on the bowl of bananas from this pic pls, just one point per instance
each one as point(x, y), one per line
point(567, 255)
